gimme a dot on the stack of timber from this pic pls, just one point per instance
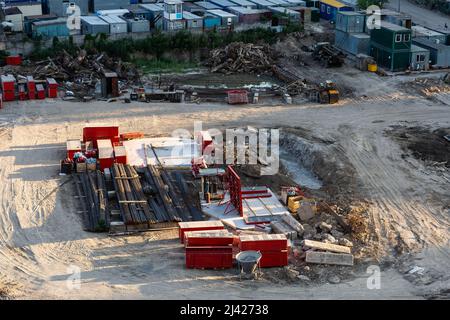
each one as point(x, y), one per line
point(91, 189)
point(133, 204)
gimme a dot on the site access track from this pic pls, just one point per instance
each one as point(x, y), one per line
point(41, 237)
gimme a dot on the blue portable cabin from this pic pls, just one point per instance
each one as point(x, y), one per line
point(50, 28)
point(210, 21)
point(262, 4)
point(329, 9)
point(193, 21)
point(155, 14)
point(207, 5)
point(223, 3)
point(226, 18)
point(243, 3)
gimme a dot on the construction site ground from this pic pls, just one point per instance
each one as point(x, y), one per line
point(360, 148)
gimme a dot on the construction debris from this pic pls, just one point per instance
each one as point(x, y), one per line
point(328, 54)
point(329, 258)
point(241, 57)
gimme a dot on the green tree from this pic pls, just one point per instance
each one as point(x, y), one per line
point(364, 4)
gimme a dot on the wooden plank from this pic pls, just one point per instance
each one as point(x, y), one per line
point(326, 246)
point(341, 259)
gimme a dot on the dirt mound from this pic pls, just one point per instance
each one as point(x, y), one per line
point(423, 143)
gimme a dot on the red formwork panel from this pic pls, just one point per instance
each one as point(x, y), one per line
point(14, 60)
point(72, 146)
point(31, 88)
point(198, 226)
point(9, 96)
point(22, 92)
point(263, 242)
point(106, 163)
point(208, 238)
point(52, 88)
point(209, 257)
point(274, 259)
point(8, 82)
point(120, 154)
point(95, 132)
point(40, 91)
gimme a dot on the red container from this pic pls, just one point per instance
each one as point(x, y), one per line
point(72, 146)
point(209, 257)
point(40, 91)
point(237, 96)
point(106, 163)
point(31, 87)
point(8, 82)
point(95, 132)
point(14, 60)
point(208, 238)
point(52, 88)
point(274, 259)
point(198, 226)
point(9, 96)
point(22, 92)
point(263, 242)
point(120, 154)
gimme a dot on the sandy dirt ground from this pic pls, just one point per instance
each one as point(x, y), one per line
point(41, 237)
point(419, 14)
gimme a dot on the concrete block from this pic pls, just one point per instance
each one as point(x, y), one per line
point(341, 259)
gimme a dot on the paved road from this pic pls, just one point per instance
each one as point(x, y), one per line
point(420, 15)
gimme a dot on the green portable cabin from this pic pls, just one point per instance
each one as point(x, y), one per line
point(390, 46)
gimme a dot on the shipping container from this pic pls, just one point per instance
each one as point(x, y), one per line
point(353, 43)
point(420, 58)
point(50, 28)
point(424, 33)
point(116, 24)
point(243, 3)
point(59, 7)
point(27, 21)
point(262, 4)
point(222, 3)
point(192, 21)
point(439, 53)
point(210, 21)
point(349, 21)
point(174, 25)
point(108, 4)
point(329, 9)
point(138, 25)
point(207, 5)
point(227, 19)
point(93, 25)
point(198, 226)
point(249, 15)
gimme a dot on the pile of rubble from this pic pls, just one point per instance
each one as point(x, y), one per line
point(429, 86)
point(241, 57)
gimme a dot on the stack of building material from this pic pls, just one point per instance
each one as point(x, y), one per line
point(120, 154)
point(273, 247)
point(31, 87)
point(198, 226)
point(134, 207)
point(40, 91)
point(52, 88)
point(327, 253)
point(8, 87)
point(288, 226)
point(72, 146)
point(95, 132)
point(105, 153)
point(91, 188)
point(209, 249)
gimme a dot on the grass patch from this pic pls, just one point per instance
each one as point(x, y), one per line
point(164, 65)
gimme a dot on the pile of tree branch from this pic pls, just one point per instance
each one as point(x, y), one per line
point(242, 57)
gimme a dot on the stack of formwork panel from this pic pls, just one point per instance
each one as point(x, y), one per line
point(198, 226)
point(273, 247)
point(120, 154)
point(40, 91)
point(31, 88)
point(52, 88)
point(105, 153)
point(209, 249)
point(8, 87)
point(96, 132)
point(72, 146)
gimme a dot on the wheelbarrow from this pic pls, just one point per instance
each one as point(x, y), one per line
point(248, 264)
